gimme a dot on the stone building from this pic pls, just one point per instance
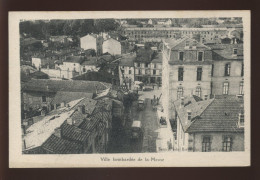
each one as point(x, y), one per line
point(186, 70)
point(210, 125)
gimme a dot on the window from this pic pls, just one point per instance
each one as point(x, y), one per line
point(206, 144)
point(179, 92)
point(139, 71)
point(180, 74)
point(225, 88)
point(235, 51)
point(181, 56)
point(129, 72)
point(212, 70)
point(189, 115)
point(227, 69)
point(199, 73)
point(198, 91)
point(241, 88)
point(146, 64)
point(84, 69)
point(154, 65)
point(44, 99)
point(154, 72)
point(227, 143)
point(242, 70)
point(138, 64)
point(187, 43)
point(200, 56)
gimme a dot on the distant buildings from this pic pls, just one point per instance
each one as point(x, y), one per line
point(59, 39)
point(205, 125)
point(38, 94)
point(157, 34)
point(127, 70)
point(111, 46)
point(92, 41)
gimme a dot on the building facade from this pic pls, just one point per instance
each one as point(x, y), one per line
point(187, 70)
point(111, 46)
point(92, 41)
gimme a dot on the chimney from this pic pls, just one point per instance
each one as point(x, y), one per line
point(57, 132)
point(30, 121)
point(23, 130)
point(43, 113)
point(81, 109)
point(67, 105)
point(70, 121)
point(182, 101)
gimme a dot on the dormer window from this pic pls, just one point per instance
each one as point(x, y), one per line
point(189, 115)
point(241, 120)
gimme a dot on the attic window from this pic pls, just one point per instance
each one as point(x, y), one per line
point(241, 119)
point(189, 115)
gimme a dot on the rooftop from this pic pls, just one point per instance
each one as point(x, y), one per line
point(127, 60)
point(40, 131)
point(75, 59)
point(225, 51)
point(58, 145)
point(67, 96)
point(47, 85)
point(212, 115)
point(157, 59)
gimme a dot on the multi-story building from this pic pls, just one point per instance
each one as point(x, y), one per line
point(158, 34)
point(210, 125)
point(227, 69)
point(186, 70)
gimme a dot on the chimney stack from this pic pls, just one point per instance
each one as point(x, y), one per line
point(81, 108)
point(182, 101)
point(57, 132)
point(43, 113)
point(70, 121)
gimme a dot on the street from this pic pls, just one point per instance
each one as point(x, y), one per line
point(121, 142)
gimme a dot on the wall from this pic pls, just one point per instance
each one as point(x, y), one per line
point(88, 42)
point(111, 46)
point(34, 99)
point(59, 74)
point(234, 79)
point(217, 139)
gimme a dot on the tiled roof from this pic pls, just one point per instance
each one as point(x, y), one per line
point(127, 60)
point(58, 145)
point(90, 61)
point(65, 96)
point(74, 133)
point(46, 85)
point(221, 115)
point(180, 44)
point(225, 51)
point(157, 59)
point(192, 104)
point(75, 59)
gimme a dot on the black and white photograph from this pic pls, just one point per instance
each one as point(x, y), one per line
point(129, 90)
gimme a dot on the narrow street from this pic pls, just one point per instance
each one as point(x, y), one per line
point(121, 142)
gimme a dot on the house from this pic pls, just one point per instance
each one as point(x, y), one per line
point(187, 66)
point(83, 126)
point(38, 94)
point(150, 21)
point(126, 70)
point(59, 39)
point(92, 41)
point(111, 46)
point(205, 125)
